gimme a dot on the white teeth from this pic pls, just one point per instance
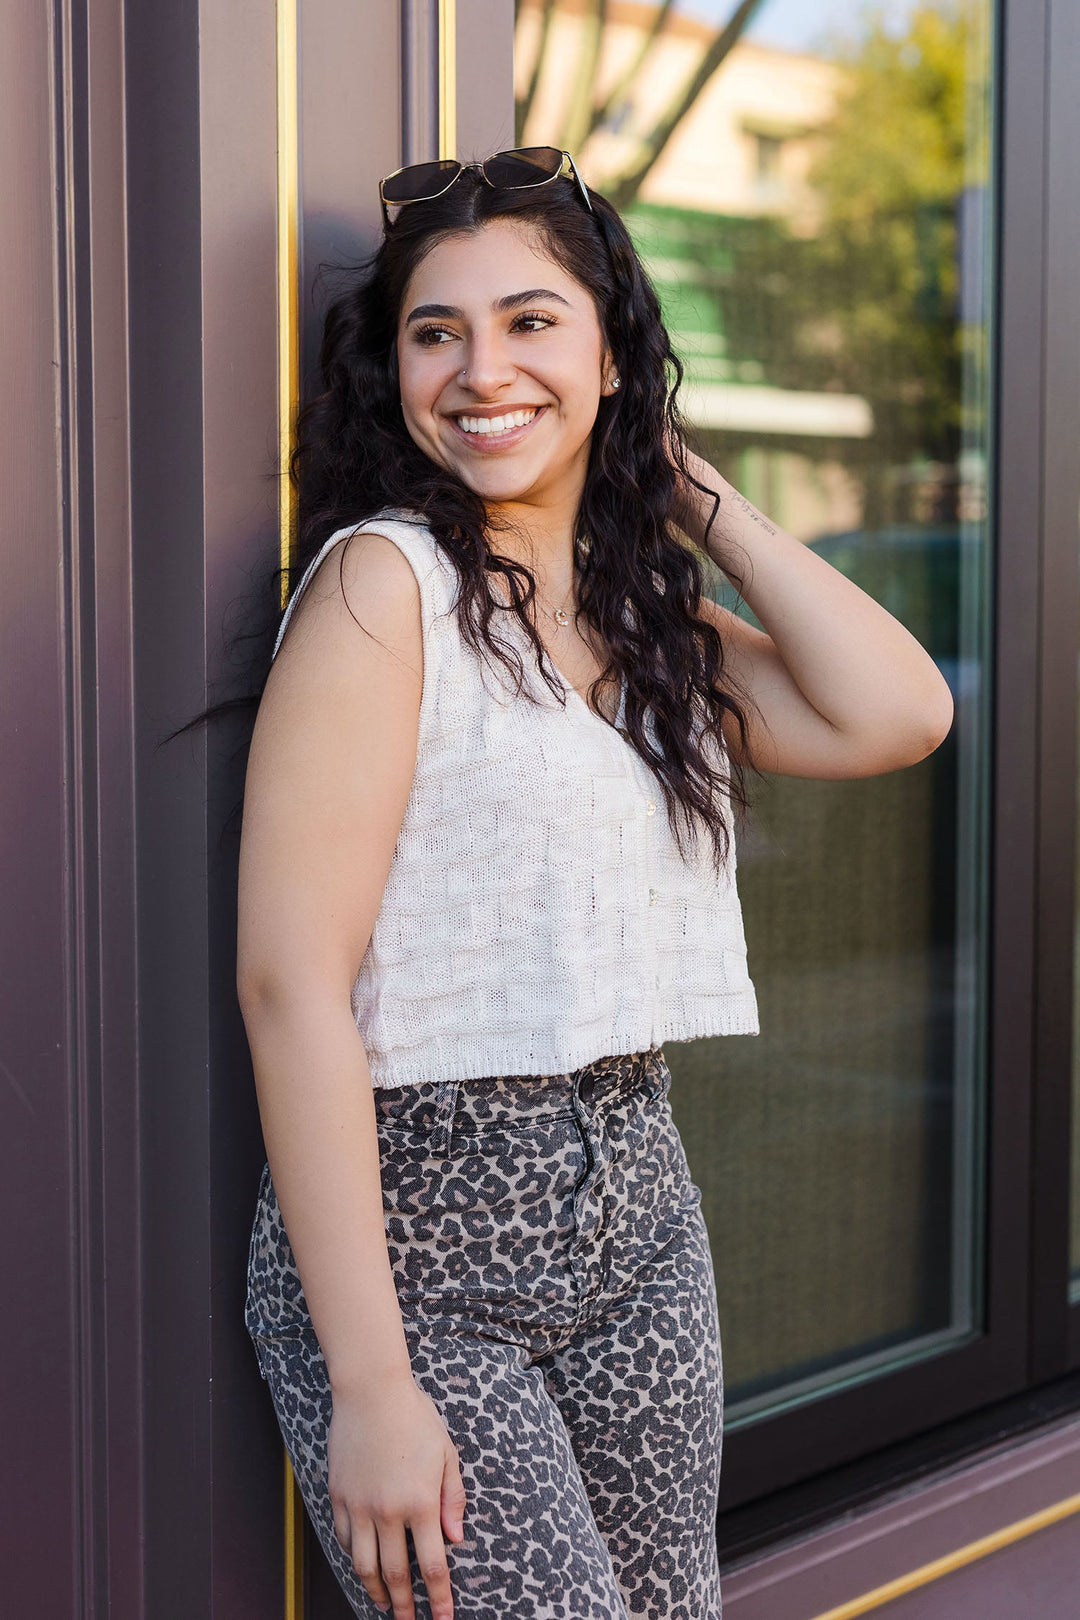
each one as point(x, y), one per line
point(495, 424)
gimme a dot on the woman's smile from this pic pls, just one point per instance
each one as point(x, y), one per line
point(486, 433)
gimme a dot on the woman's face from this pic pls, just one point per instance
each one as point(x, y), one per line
point(491, 327)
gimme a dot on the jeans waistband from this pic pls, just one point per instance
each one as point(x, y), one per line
point(496, 1102)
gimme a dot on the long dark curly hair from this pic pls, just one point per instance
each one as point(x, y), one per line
point(639, 583)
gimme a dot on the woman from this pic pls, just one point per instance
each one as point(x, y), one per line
point(487, 868)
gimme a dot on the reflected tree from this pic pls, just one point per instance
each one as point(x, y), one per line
point(586, 110)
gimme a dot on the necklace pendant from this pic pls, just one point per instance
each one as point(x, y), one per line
point(560, 616)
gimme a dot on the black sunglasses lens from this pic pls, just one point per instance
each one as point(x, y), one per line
point(526, 166)
point(420, 180)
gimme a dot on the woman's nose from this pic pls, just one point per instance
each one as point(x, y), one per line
point(488, 365)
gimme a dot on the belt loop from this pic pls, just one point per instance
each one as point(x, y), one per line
point(445, 1110)
point(658, 1063)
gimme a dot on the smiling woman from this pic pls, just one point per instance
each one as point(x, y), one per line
point(479, 1283)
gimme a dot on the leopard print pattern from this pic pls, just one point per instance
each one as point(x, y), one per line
point(557, 1291)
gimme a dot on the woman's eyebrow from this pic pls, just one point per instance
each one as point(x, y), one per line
point(511, 301)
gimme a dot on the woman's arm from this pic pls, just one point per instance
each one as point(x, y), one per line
point(330, 770)
point(844, 689)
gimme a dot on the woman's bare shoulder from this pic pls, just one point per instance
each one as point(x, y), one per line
point(363, 577)
point(349, 671)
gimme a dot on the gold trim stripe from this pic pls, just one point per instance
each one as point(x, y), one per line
point(970, 1554)
point(288, 395)
point(447, 78)
point(288, 301)
point(294, 1546)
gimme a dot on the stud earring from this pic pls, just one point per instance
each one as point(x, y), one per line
point(615, 381)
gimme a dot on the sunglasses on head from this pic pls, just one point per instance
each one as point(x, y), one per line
point(520, 167)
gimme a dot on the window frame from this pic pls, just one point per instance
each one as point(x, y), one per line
point(1055, 1331)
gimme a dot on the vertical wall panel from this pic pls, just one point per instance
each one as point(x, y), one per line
point(1060, 643)
point(164, 225)
point(350, 135)
point(39, 1563)
point(105, 982)
point(201, 164)
point(1022, 272)
point(239, 329)
point(485, 77)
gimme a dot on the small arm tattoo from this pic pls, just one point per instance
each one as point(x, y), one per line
point(751, 512)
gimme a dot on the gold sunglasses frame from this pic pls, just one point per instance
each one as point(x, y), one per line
point(510, 151)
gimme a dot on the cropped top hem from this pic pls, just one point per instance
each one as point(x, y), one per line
point(439, 1062)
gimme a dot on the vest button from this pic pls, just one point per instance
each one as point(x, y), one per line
point(650, 808)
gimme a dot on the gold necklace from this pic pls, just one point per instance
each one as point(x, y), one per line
point(559, 614)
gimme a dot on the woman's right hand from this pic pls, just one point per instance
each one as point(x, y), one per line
point(392, 1463)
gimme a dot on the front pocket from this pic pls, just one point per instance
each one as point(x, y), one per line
point(491, 1222)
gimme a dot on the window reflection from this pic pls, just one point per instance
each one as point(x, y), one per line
point(809, 186)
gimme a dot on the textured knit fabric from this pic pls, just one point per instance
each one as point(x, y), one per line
point(538, 914)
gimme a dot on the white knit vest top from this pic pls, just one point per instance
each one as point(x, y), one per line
point(537, 914)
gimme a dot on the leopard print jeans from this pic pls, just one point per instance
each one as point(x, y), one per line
point(557, 1290)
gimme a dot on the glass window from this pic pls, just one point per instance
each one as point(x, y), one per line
point(815, 212)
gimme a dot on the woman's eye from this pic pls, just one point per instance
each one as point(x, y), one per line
point(429, 336)
point(425, 333)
